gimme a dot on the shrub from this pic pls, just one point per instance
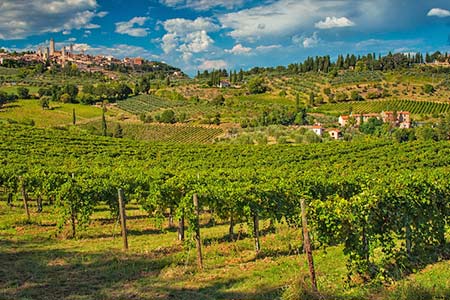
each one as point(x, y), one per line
point(45, 102)
point(219, 100)
point(429, 89)
point(168, 116)
point(356, 96)
point(256, 86)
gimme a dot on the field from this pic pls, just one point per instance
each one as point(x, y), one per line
point(414, 107)
point(377, 205)
point(78, 177)
point(147, 103)
point(59, 114)
point(172, 133)
point(36, 265)
point(13, 89)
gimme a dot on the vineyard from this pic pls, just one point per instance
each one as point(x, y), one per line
point(415, 107)
point(357, 77)
point(385, 203)
point(147, 103)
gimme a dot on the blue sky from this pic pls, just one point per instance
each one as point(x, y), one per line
point(232, 34)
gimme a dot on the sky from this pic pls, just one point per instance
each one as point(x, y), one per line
point(210, 34)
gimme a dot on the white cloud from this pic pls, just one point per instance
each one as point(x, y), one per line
point(439, 12)
point(202, 5)
point(277, 19)
point(20, 19)
point(197, 41)
point(274, 20)
point(334, 22)
point(379, 45)
point(188, 36)
point(169, 42)
point(239, 50)
point(183, 26)
point(267, 48)
point(213, 64)
point(307, 42)
point(102, 14)
point(130, 28)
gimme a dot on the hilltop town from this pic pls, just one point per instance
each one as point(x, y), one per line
point(84, 62)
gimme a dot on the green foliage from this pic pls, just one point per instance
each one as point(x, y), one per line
point(23, 92)
point(148, 103)
point(414, 107)
point(70, 91)
point(65, 98)
point(371, 126)
point(219, 100)
point(429, 89)
point(45, 102)
point(356, 96)
point(167, 116)
point(256, 85)
point(341, 96)
point(118, 131)
point(104, 125)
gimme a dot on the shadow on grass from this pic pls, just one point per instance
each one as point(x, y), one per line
point(27, 272)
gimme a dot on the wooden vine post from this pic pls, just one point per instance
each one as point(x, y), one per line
point(25, 198)
point(307, 246)
point(180, 229)
point(198, 241)
point(123, 219)
point(256, 231)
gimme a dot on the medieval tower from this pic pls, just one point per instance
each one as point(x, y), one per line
point(52, 46)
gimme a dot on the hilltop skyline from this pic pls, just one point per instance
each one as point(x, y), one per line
point(232, 34)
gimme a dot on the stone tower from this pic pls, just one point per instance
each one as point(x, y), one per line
point(52, 46)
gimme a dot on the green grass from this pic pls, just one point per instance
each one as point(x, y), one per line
point(13, 89)
point(37, 263)
point(8, 71)
point(60, 114)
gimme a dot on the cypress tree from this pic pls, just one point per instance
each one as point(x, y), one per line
point(104, 126)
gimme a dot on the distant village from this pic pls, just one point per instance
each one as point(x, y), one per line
point(83, 61)
point(400, 119)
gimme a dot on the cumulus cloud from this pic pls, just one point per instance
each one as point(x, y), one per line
point(131, 27)
point(307, 42)
point(202, 5)
point(188, 36)
point(20, 19)
point(183, 26)
point(439, 12)
point(279, 18)
point(239, 50)
point(334, 22)
point(213, 64)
